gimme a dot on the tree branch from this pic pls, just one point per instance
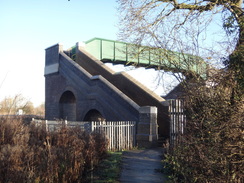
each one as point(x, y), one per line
point(197, 7)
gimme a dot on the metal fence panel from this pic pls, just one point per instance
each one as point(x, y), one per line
point(120, 134)
point(177, 120)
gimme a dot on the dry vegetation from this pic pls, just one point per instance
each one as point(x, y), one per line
point(31, 154)
point(212, 147)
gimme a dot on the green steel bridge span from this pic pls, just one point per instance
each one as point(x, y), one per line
point(116, 52)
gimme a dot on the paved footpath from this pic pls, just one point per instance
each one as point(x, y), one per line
point(142, 166)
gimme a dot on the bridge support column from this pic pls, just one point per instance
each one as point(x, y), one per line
point(147, 127)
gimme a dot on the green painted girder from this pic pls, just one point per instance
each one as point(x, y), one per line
point(117, 52)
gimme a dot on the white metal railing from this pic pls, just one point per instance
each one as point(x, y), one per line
point(120, 134)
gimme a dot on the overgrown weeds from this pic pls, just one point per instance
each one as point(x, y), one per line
point(31, 154)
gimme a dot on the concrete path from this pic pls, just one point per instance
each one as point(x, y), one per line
point(142, 166)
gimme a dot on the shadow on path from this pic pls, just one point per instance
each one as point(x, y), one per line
point(142, 166)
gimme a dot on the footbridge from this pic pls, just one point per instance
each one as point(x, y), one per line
point(80, 87)
point(117, 52)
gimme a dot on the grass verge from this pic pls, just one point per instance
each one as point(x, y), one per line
point(109, 169)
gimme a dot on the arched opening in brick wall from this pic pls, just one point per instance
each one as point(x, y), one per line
point(67, 106)
point(94, 115)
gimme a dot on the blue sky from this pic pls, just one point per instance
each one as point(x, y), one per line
point(30, 26)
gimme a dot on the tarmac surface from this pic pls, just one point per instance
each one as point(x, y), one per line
point(142, 166)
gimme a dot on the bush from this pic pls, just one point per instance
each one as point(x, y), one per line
point(211, 150)
point(31, 154)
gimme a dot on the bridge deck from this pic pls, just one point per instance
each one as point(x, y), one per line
point(141, 56)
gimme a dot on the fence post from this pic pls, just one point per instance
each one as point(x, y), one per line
point(92, 126)
point(147, 128)
point(46, 124)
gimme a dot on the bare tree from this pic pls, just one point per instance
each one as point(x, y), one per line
point(40, 110)
point(183, 27)
point(11, 105)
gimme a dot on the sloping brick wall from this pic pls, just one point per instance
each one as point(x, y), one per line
point(91, 92)
point(136, 91)
point(117, 96)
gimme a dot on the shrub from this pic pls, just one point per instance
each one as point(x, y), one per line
point(211, 150)
point(31, 154)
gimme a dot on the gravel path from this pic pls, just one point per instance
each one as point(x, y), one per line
point(142, 166)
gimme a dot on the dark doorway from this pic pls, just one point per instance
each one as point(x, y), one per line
point(67, 106)
point(94, 115)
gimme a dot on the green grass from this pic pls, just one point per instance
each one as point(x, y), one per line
point(109, 169)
